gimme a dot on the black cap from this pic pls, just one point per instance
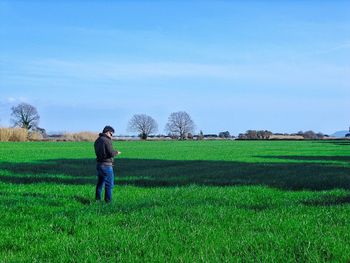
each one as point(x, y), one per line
point(108, 129)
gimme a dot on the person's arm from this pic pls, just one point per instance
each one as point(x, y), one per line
point(110, 151)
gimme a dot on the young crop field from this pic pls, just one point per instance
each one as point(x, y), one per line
point(177, 201)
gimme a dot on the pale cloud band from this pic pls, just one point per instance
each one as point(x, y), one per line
point(270, 73)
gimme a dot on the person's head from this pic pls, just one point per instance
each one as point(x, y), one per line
point(108, 130)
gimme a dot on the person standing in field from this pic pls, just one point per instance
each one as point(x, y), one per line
point(105, 158)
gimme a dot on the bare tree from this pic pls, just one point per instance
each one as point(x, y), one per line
point(143, 124)
point(180, 124)
point(25, 116)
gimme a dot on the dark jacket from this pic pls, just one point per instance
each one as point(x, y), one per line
point(104, 150)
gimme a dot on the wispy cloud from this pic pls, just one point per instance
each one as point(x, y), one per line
point(111, 70)
point(269, 73)
point(335, 48)
point(271, 78)
point(342, 46)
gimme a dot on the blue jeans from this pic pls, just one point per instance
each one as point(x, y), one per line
point(105, 178)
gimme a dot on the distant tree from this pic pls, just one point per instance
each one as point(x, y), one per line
point(180, 124)
point(320, 135)
point(347, 135)
point(310, 135)
point(224, 135)
point(143, 124)
point(242, 136)
point(268, 134)
point(42, 131)
point(260, 134)
point(263, 134)
point(25, 116)
point(300, 133)
point(200, 135)
point(252, 135)
point(255, 135)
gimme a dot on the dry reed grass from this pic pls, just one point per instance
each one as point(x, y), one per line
point(13, 134)
point(35, 136)
point(80, 136)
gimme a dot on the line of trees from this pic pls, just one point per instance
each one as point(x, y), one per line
point(179, 125)
point(255, 135)
point(265, 135)
point(311, 135)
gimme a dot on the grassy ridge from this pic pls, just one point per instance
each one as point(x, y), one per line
point(281, 201)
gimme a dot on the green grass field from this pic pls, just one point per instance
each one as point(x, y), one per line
point(177, 201)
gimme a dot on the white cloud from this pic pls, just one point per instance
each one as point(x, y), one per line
point(10, 100)
point(13, 100)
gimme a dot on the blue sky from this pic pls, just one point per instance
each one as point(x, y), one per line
point(232, 65)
